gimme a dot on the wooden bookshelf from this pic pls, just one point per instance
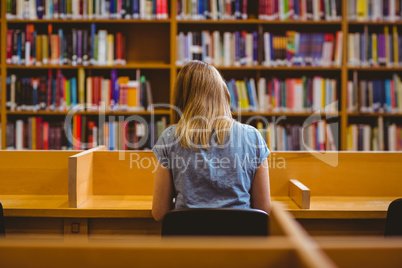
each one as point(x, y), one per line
point(151, 46)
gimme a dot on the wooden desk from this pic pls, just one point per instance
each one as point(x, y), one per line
point(103, 186)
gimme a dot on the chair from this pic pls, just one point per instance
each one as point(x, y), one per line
point(393, 223)
point(215, 221)
point(2, 226)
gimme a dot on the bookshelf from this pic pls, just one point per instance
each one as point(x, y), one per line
point(151, 47)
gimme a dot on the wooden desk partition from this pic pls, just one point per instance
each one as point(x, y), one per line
point(287, 246)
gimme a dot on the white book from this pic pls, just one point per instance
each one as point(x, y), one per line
point(391, 10)
point(217, 59)
point(27, 53)
point(179, 48)
point(214, 11)
point(267, 49)
point(366, 137)
point(282, 15)
point(330, 138)
point(97, 9)
point(316, 10)
point(339, 49)
point(89, 93)
point(221, 12)
point(254, 95)
point(20, 9)
point(262, 105)
point(19, 135)
point(75, 9)
point(321, 132)
point(190, 46)
point(317, 96)
point(95, 136)
point(102, 36)
point(227, 39)
point(249, 49)
point(298, 97)
point(273, 136)
point(32, 10)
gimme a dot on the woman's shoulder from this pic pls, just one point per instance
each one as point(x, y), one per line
point(244, 128)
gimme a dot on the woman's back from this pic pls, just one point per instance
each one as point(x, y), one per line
point(218, 177)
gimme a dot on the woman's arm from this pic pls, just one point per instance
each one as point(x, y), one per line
point(260, 193)
point(163, 192)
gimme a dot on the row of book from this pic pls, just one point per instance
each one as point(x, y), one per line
point(375, 49)
point(56, 92)
point(212, 9)
point(304, 94)
point(375, 10)
point(241, 48)
point(303, 49)
point(82, 133)
point(87, 9)
point(385, 136)
point(283, 10)
point(367, 96)
point(77, 47)
point(318, 136)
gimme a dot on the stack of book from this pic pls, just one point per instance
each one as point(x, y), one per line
point(375, 49)
point(303, 49)
point(382, 137)
point(367, 96)
point(87, 9)
point(227, 49)
point(82, 133)
point(289, 95)
point(374, 10)
point(300, 10)
point(77, 47)
point(318, 136)
point(212, 9)
point(56, 92)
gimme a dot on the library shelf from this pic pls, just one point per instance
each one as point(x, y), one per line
point(295, 114)
point(145, 65)
point(258, 21)
point(277, 68)
point(50, 113)
point(30, 21)
point(374, 114)
point(375, 69)
point(374, 22)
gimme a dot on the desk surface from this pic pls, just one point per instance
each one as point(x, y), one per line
point(130, 206)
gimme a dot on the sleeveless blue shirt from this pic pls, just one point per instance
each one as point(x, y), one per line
point(220, 177)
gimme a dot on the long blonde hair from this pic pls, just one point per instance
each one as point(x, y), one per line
point(203, 98)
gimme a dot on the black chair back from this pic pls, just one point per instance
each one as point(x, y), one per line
point(215, 222)
point(2, 225)
point(393, 223)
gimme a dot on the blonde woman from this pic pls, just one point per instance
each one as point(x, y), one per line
point(207, 159)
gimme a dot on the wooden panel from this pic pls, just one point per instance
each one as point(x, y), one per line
point(355, 173)
point(363, 252)
point(123, 173)
point(299, 193)
point(126, 226)
point(343, 227)
point(80, 177)
point(34, 172)
point(183, 252)
point(34, 226)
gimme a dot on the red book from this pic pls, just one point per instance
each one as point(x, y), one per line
point(9, 46)
point(261, 9)
point(45, 135)
point(78, 133)
point(164, 9)
point(244, 14)
point(91, 125)
point(291, 9)
point(58, 85)
point(49, 89)
point(118, 48)
point(228, 9)
point(135, 136)
point(125, 134)
point(158, 9)
point(39, 138)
